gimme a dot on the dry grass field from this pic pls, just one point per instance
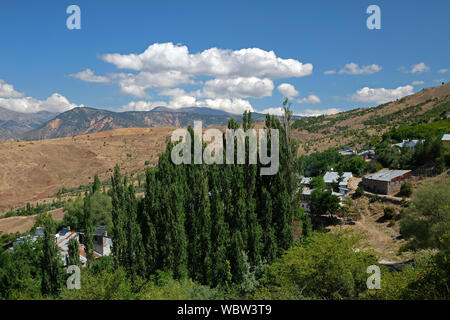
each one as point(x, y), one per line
point(33, 171)
point(23, 224)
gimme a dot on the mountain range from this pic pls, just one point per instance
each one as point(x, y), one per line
point(78, 121)
point(317, 131)
point(14, 124)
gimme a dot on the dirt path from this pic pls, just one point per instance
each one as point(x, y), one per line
point(381, 237)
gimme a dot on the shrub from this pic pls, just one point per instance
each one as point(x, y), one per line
point(323, 266)
point(359, 192)
point(406, 189)
point(390, 213)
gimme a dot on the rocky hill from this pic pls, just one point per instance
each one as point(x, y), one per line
point(80, 121)
point(13, 124)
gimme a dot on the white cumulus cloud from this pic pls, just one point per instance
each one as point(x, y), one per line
point(237, 88)
point(213, 62)
point(315, 113)
point(307, 113)
point(382, 95)
point(142, 105)
point(181, 99)
point(17, 101)
point(137, 85)
point(54, 103)
point(7, 90)
point(287, 90)
point(420, 68)
point(444, 70)
point(354, 69)
point(311, 99)
point(89, 76)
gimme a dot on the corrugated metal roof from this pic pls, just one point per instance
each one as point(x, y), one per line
point(63, 240)
point(387, 175)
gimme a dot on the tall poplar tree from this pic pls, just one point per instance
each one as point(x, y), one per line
point(50, 263)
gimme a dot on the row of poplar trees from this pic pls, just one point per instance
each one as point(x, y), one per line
point(207, 222)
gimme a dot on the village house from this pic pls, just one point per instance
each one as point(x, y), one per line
point(102, 244)
point(446, 140)
point(306, 197)
point(305, 182)
point(367, 154)
point(386, 182)
point(347, 151)
point(62, 241)
point(408, 143)
point(331, 178)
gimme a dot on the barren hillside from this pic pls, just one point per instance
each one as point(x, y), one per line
point(35, 170)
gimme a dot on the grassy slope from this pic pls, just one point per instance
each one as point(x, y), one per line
point(358, 126)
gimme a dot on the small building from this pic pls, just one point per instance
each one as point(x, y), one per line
point(331, 177)
point(386, 182)
point(408, 143)
point(446, 140)
point(305, 181)
point(367, 154)
point(346, 152)
point(62, 241)
point(306, 197)
point(102, 244)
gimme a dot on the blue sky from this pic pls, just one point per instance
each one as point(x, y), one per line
point(39, 56)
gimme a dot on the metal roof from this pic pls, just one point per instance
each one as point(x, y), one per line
point(446, 137)
point(309, 192)
point(306, 180)
point(333, 176)
point(408, 143)
point(63, 240)
point(387, 175)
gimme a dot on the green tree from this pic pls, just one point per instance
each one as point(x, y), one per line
point(97, 185)
point(74, 253)
point(323, 266)
point(324, 202)
point(428, 217)
point(51, 263)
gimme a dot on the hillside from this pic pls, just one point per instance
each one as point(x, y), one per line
point(80, 121)
point(35, 170)
point(358, 126)
point(13, 124)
